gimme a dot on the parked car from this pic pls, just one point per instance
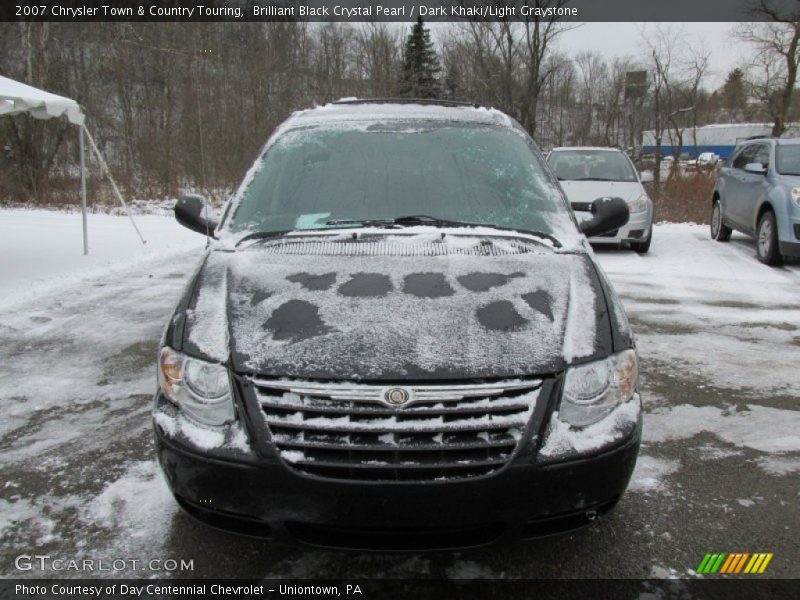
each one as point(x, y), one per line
point(758, 193)
point(586, 173)
point(707, 160)
point(687, 162)
point(647, 162)
point(398, 338)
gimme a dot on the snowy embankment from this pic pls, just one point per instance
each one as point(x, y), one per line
point(42, 251)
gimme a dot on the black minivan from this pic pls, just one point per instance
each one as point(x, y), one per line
point(400, 339)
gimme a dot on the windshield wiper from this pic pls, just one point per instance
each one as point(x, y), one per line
point(437, 222)
point(259, 235)
point(404, 221)
point(362, 222)
point(429, 220)
point(594, 179)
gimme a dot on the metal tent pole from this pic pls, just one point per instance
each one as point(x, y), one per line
point(83, 192)
point(111, 179)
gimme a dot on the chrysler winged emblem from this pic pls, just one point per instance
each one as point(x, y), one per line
point(396, 396)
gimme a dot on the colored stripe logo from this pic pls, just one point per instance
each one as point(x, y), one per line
point(729, 563)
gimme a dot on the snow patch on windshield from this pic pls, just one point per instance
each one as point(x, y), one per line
point(297, 128)
point(563, 439)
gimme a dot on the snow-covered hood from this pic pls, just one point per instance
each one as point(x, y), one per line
point(588, 191)
point(396, 312)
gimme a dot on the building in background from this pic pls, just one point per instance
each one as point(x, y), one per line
point(721, 139)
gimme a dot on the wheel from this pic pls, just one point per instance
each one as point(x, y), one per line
point(767, 240)
point(643, 247)
point(719, 231)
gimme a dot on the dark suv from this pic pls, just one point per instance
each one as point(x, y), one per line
point(398, 338)
point(757, 192)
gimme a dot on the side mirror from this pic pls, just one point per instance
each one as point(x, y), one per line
point(189, 212)
point(608, 214)
point(646, 177)
point(756, 168)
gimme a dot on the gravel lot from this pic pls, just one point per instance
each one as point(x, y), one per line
point(719, 338)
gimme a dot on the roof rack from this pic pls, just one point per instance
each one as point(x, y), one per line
point(406, 101)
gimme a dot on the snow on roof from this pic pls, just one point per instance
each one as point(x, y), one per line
point(737, 125)
point(586, 148)
point(16, 98)
point(399, 111)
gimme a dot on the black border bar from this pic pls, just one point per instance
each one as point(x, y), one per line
point(733, 588)
point(398, 10)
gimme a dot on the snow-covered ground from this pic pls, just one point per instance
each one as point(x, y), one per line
point(718, 335)
point(43, 250)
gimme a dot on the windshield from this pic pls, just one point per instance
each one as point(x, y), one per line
point(335, 176)
point(787, 159)
point(591, 165)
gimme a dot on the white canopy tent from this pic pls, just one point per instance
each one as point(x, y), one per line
point(17, 98)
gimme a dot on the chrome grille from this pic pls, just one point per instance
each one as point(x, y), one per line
point(353, 432)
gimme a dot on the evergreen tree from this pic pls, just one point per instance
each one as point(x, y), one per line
point(419, 77)
point(733, 94)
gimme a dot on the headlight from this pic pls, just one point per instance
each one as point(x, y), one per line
point(639, 205)
point(200, 389)
point(796, 196)
point(593, 390)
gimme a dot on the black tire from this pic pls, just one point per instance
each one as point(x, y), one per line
point(643, 247)
point(767, 247)
point(719, 231)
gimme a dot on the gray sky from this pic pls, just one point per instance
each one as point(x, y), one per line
point(621, 39)
point(625, 39)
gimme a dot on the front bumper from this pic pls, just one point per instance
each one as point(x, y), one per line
point(789, 233)
point(791, 249)
point(635, 230)
point(259, 495)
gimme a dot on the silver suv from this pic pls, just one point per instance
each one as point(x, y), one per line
point(757, 192)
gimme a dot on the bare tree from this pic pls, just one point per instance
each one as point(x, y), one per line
point(509, 62)
point(676, 72)
point(378, 58)
point(773, 73)
point(186, 107)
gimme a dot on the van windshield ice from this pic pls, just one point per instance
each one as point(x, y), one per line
point(348, 174)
